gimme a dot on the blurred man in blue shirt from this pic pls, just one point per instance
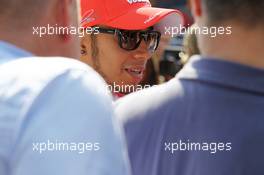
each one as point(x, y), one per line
point(209, 119)
point(56, 115)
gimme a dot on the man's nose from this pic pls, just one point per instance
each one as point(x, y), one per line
point(142, 51)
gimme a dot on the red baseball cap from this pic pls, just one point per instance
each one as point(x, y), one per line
point(124, 14)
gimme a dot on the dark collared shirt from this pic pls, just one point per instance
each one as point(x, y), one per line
point(209, 120)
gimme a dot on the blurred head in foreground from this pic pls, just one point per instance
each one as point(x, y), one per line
point(22, 22)
point(236, 30)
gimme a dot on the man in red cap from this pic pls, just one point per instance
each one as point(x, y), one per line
point(123, 39)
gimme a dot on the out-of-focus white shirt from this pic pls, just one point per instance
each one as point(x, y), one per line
point(56, 118)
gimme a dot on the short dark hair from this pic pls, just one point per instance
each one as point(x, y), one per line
point(247, 12)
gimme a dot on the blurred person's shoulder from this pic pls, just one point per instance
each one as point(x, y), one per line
point(26, 78)
point(45, 69)
point(194, 86)
point(155, 102)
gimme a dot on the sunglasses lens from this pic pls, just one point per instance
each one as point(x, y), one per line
point(129, 40)
point(152, 41)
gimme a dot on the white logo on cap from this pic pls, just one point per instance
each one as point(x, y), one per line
point(136, 1)
point(87, 17)
point(152, 17)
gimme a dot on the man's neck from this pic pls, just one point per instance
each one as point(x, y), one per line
point(21, 40)
point(243, 46)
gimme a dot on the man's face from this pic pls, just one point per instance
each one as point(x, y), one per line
point(115, 64)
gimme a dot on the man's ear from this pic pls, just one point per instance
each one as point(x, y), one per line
point(85, 49)
point(196, 8)
point(85, 45)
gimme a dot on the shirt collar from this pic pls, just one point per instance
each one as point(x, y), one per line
point(9, 51)
point(224, 73)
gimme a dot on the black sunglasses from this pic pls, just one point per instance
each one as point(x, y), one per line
point(130, 39)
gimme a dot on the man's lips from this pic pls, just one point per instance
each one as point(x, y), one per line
point(135, 71)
